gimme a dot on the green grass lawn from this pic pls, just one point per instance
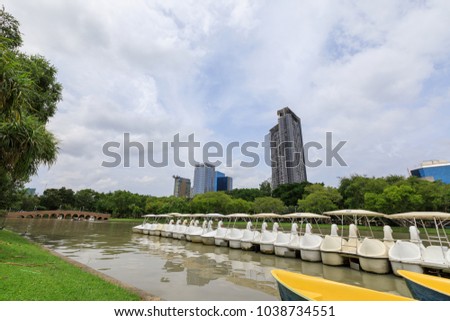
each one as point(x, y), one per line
point(29, 273)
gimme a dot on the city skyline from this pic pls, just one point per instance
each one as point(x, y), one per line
point(375, 76)
point(207, 179)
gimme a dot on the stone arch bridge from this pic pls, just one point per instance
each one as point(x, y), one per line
point(61, 214)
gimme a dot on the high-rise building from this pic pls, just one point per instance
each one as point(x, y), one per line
point(224, 183)
point(181, 187)
point(204, 177)
point(286, 151)
point(435, 170)
point(216, 179)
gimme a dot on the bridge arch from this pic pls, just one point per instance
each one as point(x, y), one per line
point(58, 214)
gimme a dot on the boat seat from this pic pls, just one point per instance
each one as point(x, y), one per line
point(434, 254)
point(332, 243)
point(310, 241)
point(373, 248)
point(404, 251)
point(282, 239)
point(294, 242)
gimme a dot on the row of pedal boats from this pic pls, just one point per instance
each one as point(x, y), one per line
point(376, 255)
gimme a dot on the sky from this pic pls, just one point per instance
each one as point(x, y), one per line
point(374, 74)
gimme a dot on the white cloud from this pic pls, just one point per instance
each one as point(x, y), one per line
point(376, 74)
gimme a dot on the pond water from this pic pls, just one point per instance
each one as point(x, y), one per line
point(180, 270)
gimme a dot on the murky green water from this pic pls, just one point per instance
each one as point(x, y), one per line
point(180, 270)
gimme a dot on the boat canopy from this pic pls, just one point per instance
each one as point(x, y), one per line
point(214, 215)
point(305, 215)
point(163, 215)
point(149, 215)
point(175, 214)
point(420, 215)
point(355, 212)
point(266, 215)
point(197, 215)
point(238, 215)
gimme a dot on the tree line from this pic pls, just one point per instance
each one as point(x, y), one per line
point(392, 194)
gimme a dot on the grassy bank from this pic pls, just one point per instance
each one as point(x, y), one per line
point(28, 272)
point(136, 220)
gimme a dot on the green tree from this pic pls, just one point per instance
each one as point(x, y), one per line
point(442, 200)
point(431, 193)
point(9, 30)
point(290, 193)
point(62, 198)
point(122, 204)
point(319, 199)
point(104, 203)
point(23, 200)
point(395, 199)
point(238, 205)
point(86, 200)
point(248, 194)
point(268, 204)
point(29, 94)
point(374, 202)
point(265, 188)
point(127, 204)
point(211, 202)
point(394, 179)
point(9, 190)
point(163, 205)
point(51, 199)
point(354, 188)
point(153, 205)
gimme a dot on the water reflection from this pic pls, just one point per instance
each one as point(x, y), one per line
point(180, 270)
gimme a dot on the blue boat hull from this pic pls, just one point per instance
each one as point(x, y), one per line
point(288, 295)
point(422, 293)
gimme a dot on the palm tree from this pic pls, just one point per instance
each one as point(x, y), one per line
point(29, 94)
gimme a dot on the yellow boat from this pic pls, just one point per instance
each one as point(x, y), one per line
point(299, 287)
point(425, 287)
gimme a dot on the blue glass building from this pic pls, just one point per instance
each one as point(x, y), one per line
point(216, 179)
point(433, 171)
point(224, 183)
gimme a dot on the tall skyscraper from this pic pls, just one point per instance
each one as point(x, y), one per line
point(204, 177)
point(181, 187)
point(224, 183)
point(218, 175)
point(286, 152)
